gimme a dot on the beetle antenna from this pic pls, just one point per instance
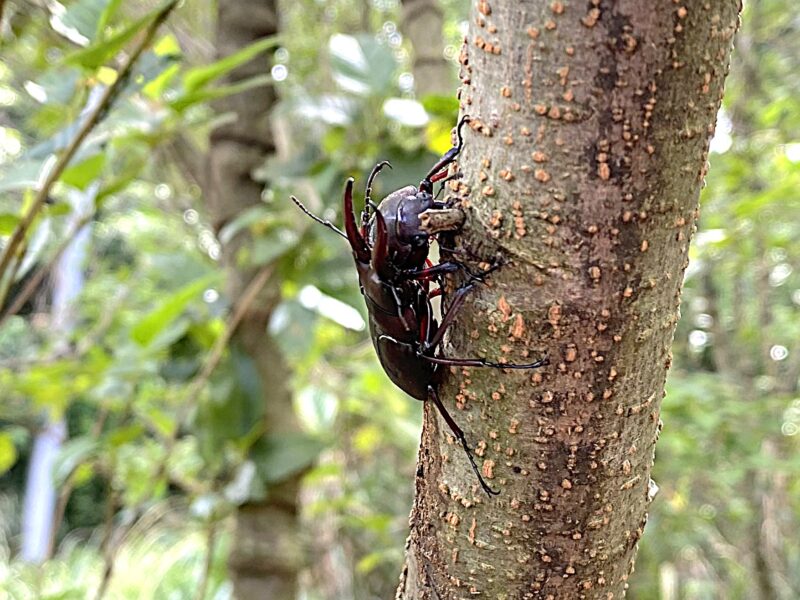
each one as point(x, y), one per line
point(324, 222)
point(375, 170)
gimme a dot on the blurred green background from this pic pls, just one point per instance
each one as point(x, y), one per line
point(145, 274)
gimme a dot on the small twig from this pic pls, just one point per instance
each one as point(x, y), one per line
point(34, 282)
point(21, 230)
point(211, 542)
point(446, 219)
point(215, 356)
point(108, 549)
point(7, 283)
point(69, 486)
point(212, 361)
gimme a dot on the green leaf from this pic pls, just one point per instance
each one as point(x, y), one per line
point(71, 455)
point(281, 455)
point(36, 246)
point(8, 223)
point(146, 330)
point(199, 77)
point(445, 107)
point(8, 452)
point(272, 245)
point(58, 86)
point(156, 88)
point(107, 14)
point(316, 408)
point(85, 16)
point(119, 182)
point(184, 101)
point(126, 434)
point(100, 52)
point(247, 219)
point(362, 65)
point(85, 172)
point(22, 175)
point(437, 136)
point(59, 209)
point(292, 326)
point(232, 416)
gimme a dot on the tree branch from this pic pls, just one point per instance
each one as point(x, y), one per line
point(34, 282)
point(21, 230)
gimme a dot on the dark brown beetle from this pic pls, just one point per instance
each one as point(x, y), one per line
point(391, 254)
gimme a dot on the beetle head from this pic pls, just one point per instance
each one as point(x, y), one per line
point(407, 244)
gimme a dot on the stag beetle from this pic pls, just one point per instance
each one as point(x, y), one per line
point(391, 254)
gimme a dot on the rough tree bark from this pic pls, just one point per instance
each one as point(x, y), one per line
point(422, 22)
point(590, 132)
point(265, 556)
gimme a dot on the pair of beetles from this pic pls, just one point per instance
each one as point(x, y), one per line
point(390, 249)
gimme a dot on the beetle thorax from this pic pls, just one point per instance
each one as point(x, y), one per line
point(407, 242)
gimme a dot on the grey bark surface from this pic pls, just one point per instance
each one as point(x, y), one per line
point(265, 556)
point(583, 167)
point(422, 22)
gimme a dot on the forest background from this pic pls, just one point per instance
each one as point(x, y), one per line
point(115, 325)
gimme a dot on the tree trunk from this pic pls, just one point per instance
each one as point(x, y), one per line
point(265, 557)
point(590, 132)
point(422, 22)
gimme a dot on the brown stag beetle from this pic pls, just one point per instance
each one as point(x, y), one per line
point(391, 254)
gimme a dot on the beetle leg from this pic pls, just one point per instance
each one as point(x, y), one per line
point(324, 222)
point(447, 320)
point(444, 268)
point(431, 272)
point(433, 175)
point(434, 395)
point(357, 243)
point(399, 304)
point(458, 175)
point(434, 293)
point(481, 362)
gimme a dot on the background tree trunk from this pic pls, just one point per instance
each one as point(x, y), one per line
point(591, 124)
point(265, 557)
point(422, 22)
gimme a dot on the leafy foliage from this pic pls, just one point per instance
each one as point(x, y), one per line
point(173, 460)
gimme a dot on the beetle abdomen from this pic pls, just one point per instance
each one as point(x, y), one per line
point(408, 371)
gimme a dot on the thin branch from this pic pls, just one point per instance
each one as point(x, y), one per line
point(69, 487)
point(21, 230)
point(108, 548)
point(7, 283)
point(212, 361)
point(211, 542)
point(215, 356)
point(34, 282)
